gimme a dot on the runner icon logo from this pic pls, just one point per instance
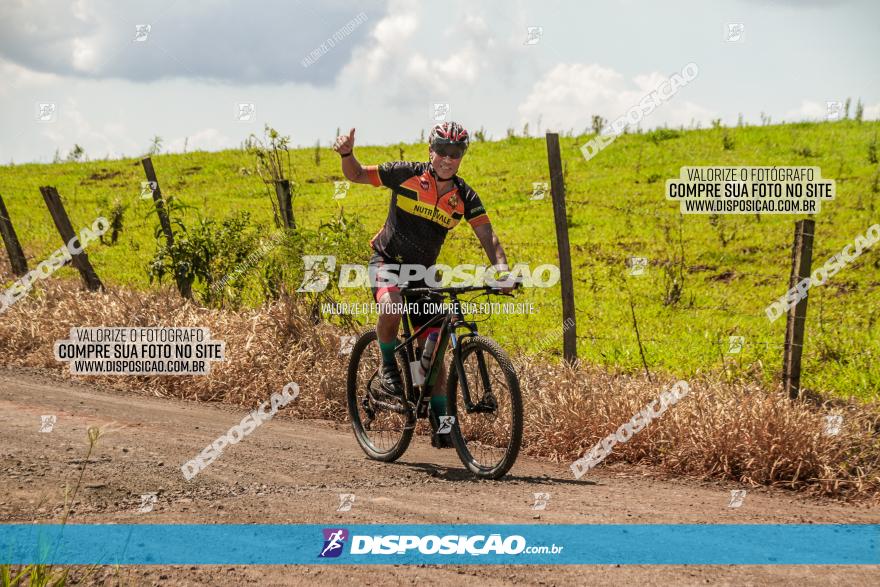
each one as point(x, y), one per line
point(735, 344)
point(334, 541)
point(541, 501)
point(539, 190)
point(446, 424)
point(148, 188)
point(637, 265)
point(340, 189)
point(346, 500)
point(47, 423)
point(148, 500)
point(737, 496)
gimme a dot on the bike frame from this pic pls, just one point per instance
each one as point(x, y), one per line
point(449, 323)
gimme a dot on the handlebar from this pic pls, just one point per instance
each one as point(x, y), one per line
point(407, 291)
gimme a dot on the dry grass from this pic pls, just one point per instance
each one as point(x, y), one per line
point(732, 431)
point(265, 349)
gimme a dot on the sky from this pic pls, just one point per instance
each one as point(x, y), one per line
point(208, 73)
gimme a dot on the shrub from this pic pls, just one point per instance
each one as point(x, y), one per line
point(662, 134)
point(805, 152)
point(273, 164)
point(207, 253)
point(116, 218)
point(727, 142)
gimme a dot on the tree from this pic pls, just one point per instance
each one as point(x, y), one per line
point(155, 145)
point(76, 154)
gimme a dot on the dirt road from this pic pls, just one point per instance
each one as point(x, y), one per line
point(292, 471)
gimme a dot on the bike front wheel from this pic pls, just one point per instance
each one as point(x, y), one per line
point(487, 430)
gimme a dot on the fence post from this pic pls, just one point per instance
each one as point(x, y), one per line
point(801, 266)
point(557, 190)
point(164, 222)
point(285, 207)
point(10, 240)
point(65, 229)
point(183, 285)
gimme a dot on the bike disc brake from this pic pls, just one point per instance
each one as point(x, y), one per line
point(487, 404)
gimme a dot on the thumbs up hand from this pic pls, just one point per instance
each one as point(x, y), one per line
point(344, 143)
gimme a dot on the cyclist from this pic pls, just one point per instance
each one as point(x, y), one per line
point(427, 200)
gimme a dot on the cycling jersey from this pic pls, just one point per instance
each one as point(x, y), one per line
point(418, 219)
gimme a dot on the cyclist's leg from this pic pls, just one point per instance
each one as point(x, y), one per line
point(439, 389)
point(388, 324)
point(387, 294)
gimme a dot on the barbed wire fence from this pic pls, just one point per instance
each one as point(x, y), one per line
point(801, 258)
point(791, 346)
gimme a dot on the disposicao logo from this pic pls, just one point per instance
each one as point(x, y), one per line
point(432, 544)
point(334, 542)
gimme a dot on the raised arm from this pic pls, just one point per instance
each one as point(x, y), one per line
point(351, 168)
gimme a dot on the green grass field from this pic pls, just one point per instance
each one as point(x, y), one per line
point(734, 266)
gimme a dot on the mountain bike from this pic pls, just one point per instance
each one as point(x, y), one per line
point(483, 401)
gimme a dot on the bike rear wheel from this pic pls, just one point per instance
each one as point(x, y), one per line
point(487, 439)
point(382, 427)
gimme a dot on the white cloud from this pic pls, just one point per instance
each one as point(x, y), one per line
point(84, 56)
point(810, 110)
point(73, 127)
point(570, 94)
point(201, 58)
point(229, 42)
point(16, 77)
point(406, 73)
point(389, 38)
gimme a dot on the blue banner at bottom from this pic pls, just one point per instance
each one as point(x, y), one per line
point(544, 544)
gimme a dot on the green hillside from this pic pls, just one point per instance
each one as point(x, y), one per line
point(732, 266)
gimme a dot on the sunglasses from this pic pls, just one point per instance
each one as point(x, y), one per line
point(451, 151)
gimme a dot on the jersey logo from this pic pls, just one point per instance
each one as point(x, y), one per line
point(453, 201)
point(427, 212)
point(424, 183)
